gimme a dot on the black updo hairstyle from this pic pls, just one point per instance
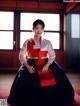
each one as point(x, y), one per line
point(38, 21)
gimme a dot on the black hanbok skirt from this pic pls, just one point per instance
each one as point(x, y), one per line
point(26, 89)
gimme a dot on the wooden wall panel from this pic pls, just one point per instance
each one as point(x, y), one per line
point(9, 59)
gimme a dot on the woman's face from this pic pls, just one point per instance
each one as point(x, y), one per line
point(38, 30)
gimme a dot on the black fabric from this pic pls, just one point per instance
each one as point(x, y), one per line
point(26, 89)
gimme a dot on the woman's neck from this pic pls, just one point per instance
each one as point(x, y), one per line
point(37, 39)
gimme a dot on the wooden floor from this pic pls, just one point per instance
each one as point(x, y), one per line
point(5, 84)
point(74, 79)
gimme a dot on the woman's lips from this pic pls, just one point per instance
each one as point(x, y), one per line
point(38, 33)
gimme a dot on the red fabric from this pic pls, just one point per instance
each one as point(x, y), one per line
point(34, 52)
point(46, 78)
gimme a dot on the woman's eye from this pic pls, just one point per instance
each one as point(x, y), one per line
point(37, 28)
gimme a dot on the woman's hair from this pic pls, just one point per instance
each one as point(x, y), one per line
point(38, 21)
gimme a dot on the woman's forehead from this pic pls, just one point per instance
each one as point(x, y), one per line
point(39, 25)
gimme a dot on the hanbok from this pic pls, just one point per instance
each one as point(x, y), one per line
point(49, 88)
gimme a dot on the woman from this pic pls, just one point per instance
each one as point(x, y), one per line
point(40, 81)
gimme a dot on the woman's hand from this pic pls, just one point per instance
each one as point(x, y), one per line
point(30, 69)
point(45, 68)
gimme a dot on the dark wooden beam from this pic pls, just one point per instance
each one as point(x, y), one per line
point(25, 5)
point(70, 6)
